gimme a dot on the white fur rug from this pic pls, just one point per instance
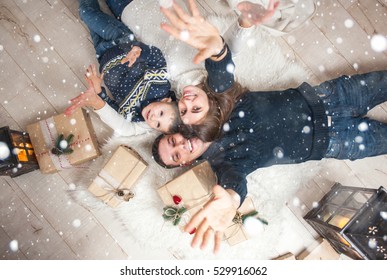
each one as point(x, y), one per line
point(261, 65)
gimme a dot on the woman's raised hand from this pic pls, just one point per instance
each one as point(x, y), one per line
point(255, 14)
point(214, 218)
point(93, 75)
point(193, 29)
point(87, 98)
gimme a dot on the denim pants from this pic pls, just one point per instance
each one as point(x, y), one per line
point(117, 6)
point(347, 100)
point(105, 30)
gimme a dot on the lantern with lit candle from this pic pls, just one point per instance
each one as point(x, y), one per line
point(16, 153)
point(353, 220)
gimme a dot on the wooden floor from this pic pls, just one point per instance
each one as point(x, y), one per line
point(44, 50)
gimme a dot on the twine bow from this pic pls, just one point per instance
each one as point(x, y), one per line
point(240, 218)
point(62, 145)
point(174, 214)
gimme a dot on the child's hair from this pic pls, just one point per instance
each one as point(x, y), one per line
point(176, 122)
point(220, 107)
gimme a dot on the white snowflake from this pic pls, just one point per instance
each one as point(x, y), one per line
point(37, 38)
point(379, 43)
point(4, 151)
point(348, 23)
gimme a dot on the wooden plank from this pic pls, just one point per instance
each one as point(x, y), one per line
point(7, 120)
point(351, 41)
point(372, 172)
point(36, 56)
point(35, 236)
point(29, 106)
point(370, 15)
point(10, 87)
point(336, 171)
point(75, 224)
point(311, 46)
point(5, 248)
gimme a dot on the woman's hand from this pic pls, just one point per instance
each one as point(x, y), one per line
point(194, 30)
point(132, 56)
point(87, 98)
point(93, 75)
point(255, 14)
point(214, 218)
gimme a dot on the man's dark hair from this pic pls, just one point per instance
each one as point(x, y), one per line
point(156, 154)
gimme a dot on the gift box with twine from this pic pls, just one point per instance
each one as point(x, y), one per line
point(64, 142)
point(113, 183)
point(187, 193)
point(236, 232)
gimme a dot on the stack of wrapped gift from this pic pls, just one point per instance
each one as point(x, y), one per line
point(113, 183)
point(47, 134)
point(190, 190)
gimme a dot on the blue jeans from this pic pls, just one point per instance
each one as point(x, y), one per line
point(117, 6)
point(105, 30)
point(347, 100)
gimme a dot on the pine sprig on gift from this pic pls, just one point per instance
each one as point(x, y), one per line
point(240, 218)
point(62, 145)
point(173, 214)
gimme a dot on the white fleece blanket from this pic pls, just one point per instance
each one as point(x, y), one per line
point(260, 65)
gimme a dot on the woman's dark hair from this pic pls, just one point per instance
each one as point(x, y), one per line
point(156, 154)
point(220, 107)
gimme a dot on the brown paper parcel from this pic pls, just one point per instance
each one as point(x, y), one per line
point(236, 233)
point(112, 184)
point(44, 134)
point(194, 187)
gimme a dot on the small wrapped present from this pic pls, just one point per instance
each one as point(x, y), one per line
point(114, 182)
point(60, 142)
point(191, 190)
point(236, 233)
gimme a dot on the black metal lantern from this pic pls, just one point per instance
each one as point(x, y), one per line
point(16, 153)
point(353, 220)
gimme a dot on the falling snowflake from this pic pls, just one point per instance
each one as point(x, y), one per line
point(359, 139)
point(73, 121)
point(45, 59)
point(306, 129)
point(372, 243)
point(329, 50)
point(37, 38)
point(184, 35)
point(166, 3)
point(373, 230)
point(226, 127)
point(1, 48)
point(88, 148)
point(76, 223)
point(278, 152)
point(253, 226)
point(315, 204)
point(4, 151)
point(14, 245)
point(71, 186)
point(63, 144)
point(361, 147)
point(383, 214)
point(296, 202)
point(379, 43)
point(348, 23)
point(339, 40)
point(362, 126)
point(241, 114)
point(230, 68)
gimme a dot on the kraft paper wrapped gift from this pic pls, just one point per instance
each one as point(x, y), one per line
point(44, 134)
point(236, 233)
point(113, 183)
point(193, 188)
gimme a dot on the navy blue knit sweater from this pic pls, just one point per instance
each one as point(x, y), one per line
point(134, 87)
point(266, 128)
